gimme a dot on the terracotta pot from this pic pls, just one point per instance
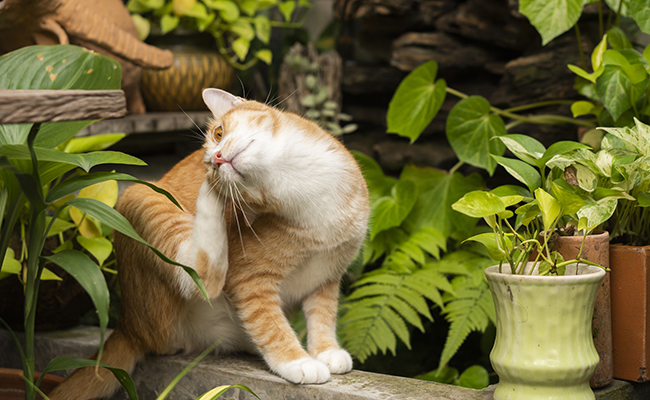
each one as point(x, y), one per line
point(197, 65)
point(596, 249)
point(12, 384)
point(630, 281)
point(543, 347)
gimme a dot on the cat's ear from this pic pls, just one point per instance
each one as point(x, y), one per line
point(220, 101)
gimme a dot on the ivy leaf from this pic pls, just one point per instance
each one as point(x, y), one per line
point(416, 102)
point(169, 22)
point(265, 55)
point(379, 184)
point(521, 171)
point(390, 211)
point(286, 9)
point(526, 148)
point(549, 206)
point(640, 12)
point(551, 18)
point(618, 39)
point(228, 10)
point(241, 47)
point(262, 29)
point(100, 247)
point(470, 129)
point(613, 87)
point(479, 204)
point(249, 7)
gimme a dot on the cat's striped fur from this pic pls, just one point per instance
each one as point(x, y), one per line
point(275, 221)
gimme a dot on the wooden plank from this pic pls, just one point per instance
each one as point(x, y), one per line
point(31, 106)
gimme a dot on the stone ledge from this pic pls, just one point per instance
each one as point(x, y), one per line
point(152, 376)
point(150, 123)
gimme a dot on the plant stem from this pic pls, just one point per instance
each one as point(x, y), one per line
point(580, 50)
point(600, 18)
point(538, 105)
point(456, 167)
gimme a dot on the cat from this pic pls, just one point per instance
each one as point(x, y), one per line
point(274, 209)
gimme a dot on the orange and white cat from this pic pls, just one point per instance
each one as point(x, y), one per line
point(274, 210)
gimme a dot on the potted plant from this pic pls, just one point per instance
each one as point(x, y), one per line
point(34, 176)
point(617, 177)
point(241, 32)
point(543, 347)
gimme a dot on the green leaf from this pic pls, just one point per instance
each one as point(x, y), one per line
point(389, 212)
point(169, 22)
point(142, 25)
point(218, 391)
point(379, 185)
point(286, 8)
point(10, 265)
point(644, 199)
point(475, 377)
point(113, 219)
point(99, 247)
point(496, 251)
point(640, 11)
point(526, 148)
point(92, 143)
point(479, 204)
point(90, 277)
point(241, 47)
point(72, 185)
point(521, 171)
point(54, 67)
point(613, 88)
point(551, 18)
point(569, 201)
point(598, 213)
point(63, 363)
point(597, 54)
point(549, 206)
point(249, 7)
point(584, 74)
point(416, 101)
point(470, 129)
point(84, 161)
point(262, 28)
point(618, 39)
point(265, 55)
point(228, 10)
point(581, 107)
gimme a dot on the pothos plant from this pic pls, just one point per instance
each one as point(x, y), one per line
point(242, 29)
point(477, 133)
point(34, 177)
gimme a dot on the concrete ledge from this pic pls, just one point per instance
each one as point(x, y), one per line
point(149, 123)
point(153, 375)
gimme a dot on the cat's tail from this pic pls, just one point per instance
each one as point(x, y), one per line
point(90, 382)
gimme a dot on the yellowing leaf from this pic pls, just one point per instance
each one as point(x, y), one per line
point(10, 265)
point(106, 192)
point(100, 247)
point(48, 275)
point(182, 7)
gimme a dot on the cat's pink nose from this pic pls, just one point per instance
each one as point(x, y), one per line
point(217, 159)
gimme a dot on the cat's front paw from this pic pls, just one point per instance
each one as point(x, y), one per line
point(304, 370)
point(338, 361)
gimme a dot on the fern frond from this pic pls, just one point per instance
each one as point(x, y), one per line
point(471, 309)
point(382, 306)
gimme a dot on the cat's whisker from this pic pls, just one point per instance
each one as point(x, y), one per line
point(287, 98)
point(248, 223)
point(266, 102)
point(234, 208)
point(243, 89)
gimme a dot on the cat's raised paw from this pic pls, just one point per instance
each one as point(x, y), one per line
point(304, 370)
point(338, 361)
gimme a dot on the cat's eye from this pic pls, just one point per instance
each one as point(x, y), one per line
point(217, 131)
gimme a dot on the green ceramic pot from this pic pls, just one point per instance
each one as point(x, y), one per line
point(543, 347)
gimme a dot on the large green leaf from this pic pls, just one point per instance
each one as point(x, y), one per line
point(113, 219)
point(90, 277)
point(72, 185)
point(470, 129)
point(390, 211)
point(613, 88)
point(84, 161)
point(379, 185)
point(416, 101)
point(54, 67)
point(526, 148)
point(437, 191)
point(551, 18)
point(640, 11)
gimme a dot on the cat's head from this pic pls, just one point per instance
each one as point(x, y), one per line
point(260, 152)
